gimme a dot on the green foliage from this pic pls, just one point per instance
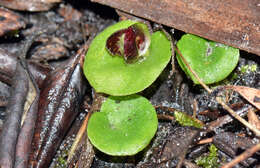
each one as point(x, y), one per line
point(186, 120)
point(211, 160)
point(112, 75)
point(124, 126)
point(211, 61)
point(62, 162)
point(248, 68)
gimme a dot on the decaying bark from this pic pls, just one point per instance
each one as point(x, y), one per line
point(235, 23)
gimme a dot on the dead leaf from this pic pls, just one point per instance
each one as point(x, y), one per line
point(69, 13)
point(8, 65)
point(14, 112)
point(9, 21)
point(179, 142)
point(31, 5)
point(51, 51)
point(58, 107)
point(250, 94)
point(253, 119)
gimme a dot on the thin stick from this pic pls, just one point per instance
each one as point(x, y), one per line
point(80, 133)
point(193, 72)
point(96, 104)
point(219, 100)
point(165, 117)
point(235, 115)
point(195, 108)
point(249, 152)
point(164, 108)
point(205, 141)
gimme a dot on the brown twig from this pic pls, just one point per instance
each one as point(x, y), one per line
point(235, 115)
point(195, 108)
point(249, 152)
point(220, 121)
point(97, 101)
point(80, 133)
point(205, 141)
point(193, 72)
point(164, 108)
point(165, 117)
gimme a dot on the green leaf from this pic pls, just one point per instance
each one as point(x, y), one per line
point(186, 120)
point(124, 125)
point(210, 161)
point(112, 75)
point(212, 61)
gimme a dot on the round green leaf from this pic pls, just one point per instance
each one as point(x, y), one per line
point(212, 61)
point(112, 75)
point(124, 125)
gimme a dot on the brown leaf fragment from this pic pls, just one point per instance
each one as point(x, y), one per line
point(39, 72)
point(50, 51)
point(8, 66)
point(58, 107)
point(9, 21)
point(23, 146)
point(14, 112)
point(31, 5)
point(69, 13)
point(253, 119)
point(179, 142)
point(250, 94)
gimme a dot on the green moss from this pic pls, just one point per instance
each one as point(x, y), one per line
point(248, 68)
point(186, 120)
point(62, 162)
point(209, 161)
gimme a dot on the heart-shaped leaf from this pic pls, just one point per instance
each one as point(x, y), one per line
point(124, 126)
point(113, 75)
point(211, 61)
